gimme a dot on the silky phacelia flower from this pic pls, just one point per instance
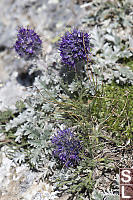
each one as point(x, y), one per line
point(67, 148)
point(28, 44)
point(74, 47)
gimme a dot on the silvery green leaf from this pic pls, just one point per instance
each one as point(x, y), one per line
point(19, 157)
point(131, 42)
point(116, 74)
point(110, 38)
point(47, 107)
point(117, 81)
point(122, 81)
point(117, 41)
point(97, 195)
point(98, 40)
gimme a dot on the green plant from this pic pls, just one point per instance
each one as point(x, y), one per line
point(113, 110)
point(97, 195)
point(5, 116)
point(99, 115)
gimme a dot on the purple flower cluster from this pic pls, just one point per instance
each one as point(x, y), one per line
point(74, 47)
point(67, 148)
point(28, 44)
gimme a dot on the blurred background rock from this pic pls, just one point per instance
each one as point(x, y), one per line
point(49, 18)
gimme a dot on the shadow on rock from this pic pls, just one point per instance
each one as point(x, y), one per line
point(27, 79)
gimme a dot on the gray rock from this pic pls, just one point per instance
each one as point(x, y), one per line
point(18, 182)
point(10, 94)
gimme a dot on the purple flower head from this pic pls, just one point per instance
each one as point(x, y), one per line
point(67, 147)
point(28, 44)
point(74, 47)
